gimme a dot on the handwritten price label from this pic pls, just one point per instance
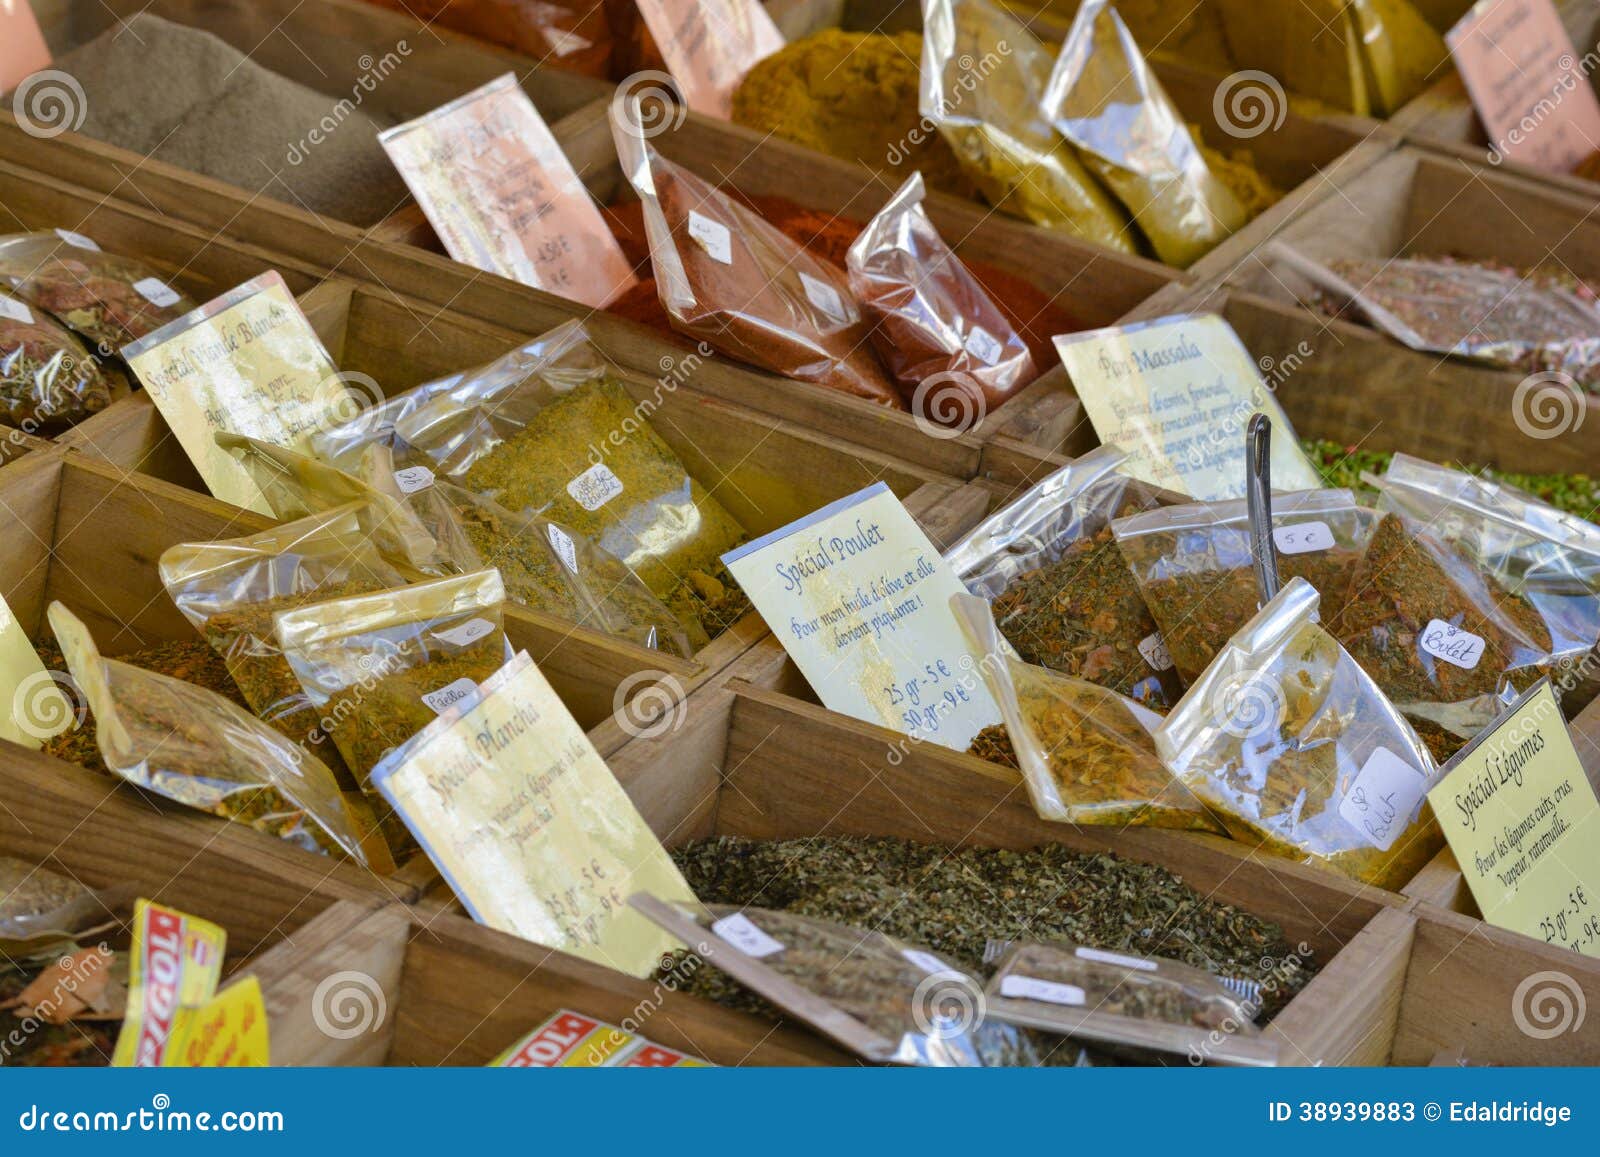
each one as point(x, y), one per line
point(1303, 538)
point(1048, 991)
point(741, 932)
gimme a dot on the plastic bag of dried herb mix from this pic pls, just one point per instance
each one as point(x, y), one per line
point(380, 667)
point(47, 378)
point(1137, 1005)
point(108, 300)
point(1193, 566)
point(230, 590)
point(885, 1000)
point(44, 912)
point(1297, 749)
point(1063, 595)
point(1086, 754)
point(552, 430)
point(194, 747)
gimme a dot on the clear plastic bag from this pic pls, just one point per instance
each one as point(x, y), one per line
point(1103, 98)
point(380, 667)
point(1063, 596)
point(1086, 754)
point(1138, 1004)
point(1445, 307)
point(1297, 749)
point(47, 379)
point(194, 747)
point(934, 319)
point(728, 277)
point(1194, 568)
point(230, 590)
point(107, 300)
point(44, 912)
point(983, 78)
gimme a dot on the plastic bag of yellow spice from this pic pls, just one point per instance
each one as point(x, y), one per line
point(983, 76)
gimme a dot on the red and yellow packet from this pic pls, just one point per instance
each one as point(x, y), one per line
point(570, 1040)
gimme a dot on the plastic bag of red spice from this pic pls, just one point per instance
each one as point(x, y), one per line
point(946, 343)
point(729, 278)
point(47, 378)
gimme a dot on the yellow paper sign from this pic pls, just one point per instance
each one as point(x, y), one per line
point(173, 969)
point(33, 707)
point(1521, 818)
point(247, 363)
point(228, 1032)
point(1177, 394)
point(520, 814)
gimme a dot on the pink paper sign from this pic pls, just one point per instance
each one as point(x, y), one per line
point(22, 48)
point(1528, 84)
point(709, 45)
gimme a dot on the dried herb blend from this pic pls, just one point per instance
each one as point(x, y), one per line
point(107, 300)
point(47, 378)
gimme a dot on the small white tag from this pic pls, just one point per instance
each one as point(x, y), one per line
point(595, 487)
point(77, 240)
point(467, 633)
point(449, 695)
point(1451, 644)
point(739, 931)
point(157, 292)
point(926, 961)
point(1303, 537)
point(14, 310)
point(413, 478)
point(824, 296)
point(1028, 988)
point(712, 236)
point(982, 345)
point(565, 548)
point(564, 43)
point(1383, 799)
point(1154, 649)
point(1118, 959)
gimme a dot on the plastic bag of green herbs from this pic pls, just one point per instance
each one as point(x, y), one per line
point(887, 1001)
point(44, 913)
point(1134, 1006)
point(1193, 566)
point(1103, 98)
point(230, 590)
point(1086, 754)
point(983, 78)
point(1298, 750)
point(566, 440)
point(48, 380)
point(107, 300)
point(192, 746)
point(1062, 594)
point(380, 667)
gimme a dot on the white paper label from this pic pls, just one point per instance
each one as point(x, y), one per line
point(739, 931)
point(562, 42)
point(595, 487)
point(824, 296)
point(926, 961)
point(565, 548)
point(1117, 959)
point(157, 292)
point(13, 310)
point(77, 239)
point(982, 345)
point(467, 633)
point(449, 695)
point(413, 478)
point(1383, 799)
point(712, 236)
point(1451, 644)
point(1154, 649)
point(1303, 537)
point(1030, 988)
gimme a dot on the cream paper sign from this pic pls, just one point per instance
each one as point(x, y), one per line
point(23, 52)
point(33, 708)
point(861, 601)
point(503, 197)
point(709, 45)
point(247, 363)
point(1177, 394)
point(524, 819)
point(1523, 822)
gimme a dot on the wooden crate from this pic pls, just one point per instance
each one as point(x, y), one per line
point(441, 990)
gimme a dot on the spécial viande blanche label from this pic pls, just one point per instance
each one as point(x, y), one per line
point(1177, 394)
point(861, 601)
point(1522, 819)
